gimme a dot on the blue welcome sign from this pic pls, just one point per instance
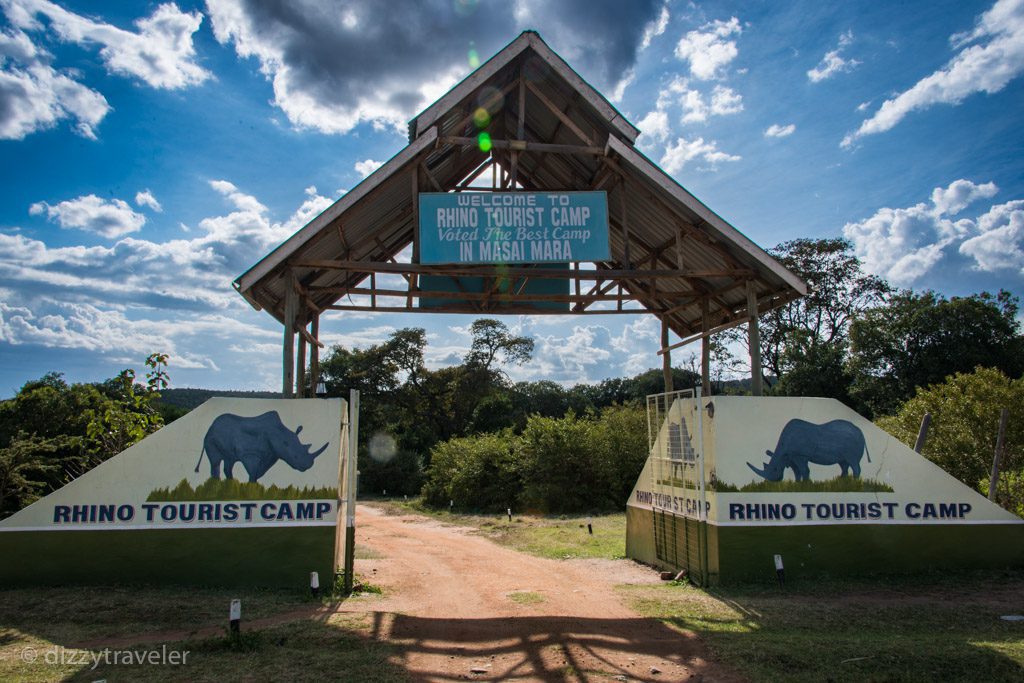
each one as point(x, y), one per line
point(513, 227)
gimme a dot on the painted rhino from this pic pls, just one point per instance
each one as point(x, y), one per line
point(255, 442)
point(838, 442)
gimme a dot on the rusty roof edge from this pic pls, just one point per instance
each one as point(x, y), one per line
point(680, 193)
point(264, 266)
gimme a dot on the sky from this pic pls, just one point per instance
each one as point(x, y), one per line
point(151, 153)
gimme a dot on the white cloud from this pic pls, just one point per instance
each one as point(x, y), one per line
point(655, 28)
point(367, 166)
point(999, 244)
point(111, 219)
point(160, 53)
point(833, 62)
point(902, 245)
point(332, 70)
point(725, 101)
point(146, 198)
point(695, 109)
point(619, 91)
point(190, 274)
point(36, 96)
point(684, 151)
point(778, 131)
point(989, 57)
point(707, 49)
point(86, 327)
point(654, 127)
point(959, 195)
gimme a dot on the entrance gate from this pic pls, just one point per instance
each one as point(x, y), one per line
point(675, 434)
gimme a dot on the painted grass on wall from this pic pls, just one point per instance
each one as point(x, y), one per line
point(838, 484)
point(233, 489)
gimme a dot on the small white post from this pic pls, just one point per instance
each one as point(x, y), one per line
point(314, 583)
point(779, 570)
point(235, 617)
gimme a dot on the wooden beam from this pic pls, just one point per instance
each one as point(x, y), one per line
point(492, 270)
point(492, 293)
point(300, 368)
point(415, 216)
point(562, 117)
point(527, 146)
point(504, 310)
point(666, 358)
point(705, 348)
point(314, 355)
point(754, 338)
point(291, 302)
point(625, 223)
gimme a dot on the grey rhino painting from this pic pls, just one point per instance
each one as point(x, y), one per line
point(838, 442)
point(255, 442)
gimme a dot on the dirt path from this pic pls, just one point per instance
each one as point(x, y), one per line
point(447, 605)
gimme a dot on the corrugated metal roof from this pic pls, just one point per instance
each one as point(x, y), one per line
point(669, 230)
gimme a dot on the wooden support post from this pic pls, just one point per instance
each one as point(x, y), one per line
point(754, 339)
point(1000, 443)
point(314, 356)
point(415, 216)
point(922, 433)
point(625, 224)
point(291, 303)
point(300, 369)
point(705, 347)
point(666, 358)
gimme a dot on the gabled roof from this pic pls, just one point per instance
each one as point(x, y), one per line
point(553, 131)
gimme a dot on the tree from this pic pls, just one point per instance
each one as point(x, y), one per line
point(52, 432)
point(965, 413)
point(838, 292)
point(915, 340)
point(491, 338)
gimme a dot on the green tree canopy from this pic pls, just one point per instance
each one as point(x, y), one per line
point(918, 339)
point(965, 413)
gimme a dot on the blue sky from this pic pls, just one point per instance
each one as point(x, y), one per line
point(153, 152)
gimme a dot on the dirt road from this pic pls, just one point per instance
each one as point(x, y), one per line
point(463, 608)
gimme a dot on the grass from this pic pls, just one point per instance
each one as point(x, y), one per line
point(46, 619)
point(838, 484)
point(559, 537)
point(904, 629)
point(233, 489)
point(526, 597)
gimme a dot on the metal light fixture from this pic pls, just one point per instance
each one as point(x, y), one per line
point(321, 389)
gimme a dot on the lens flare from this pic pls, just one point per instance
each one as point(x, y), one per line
point(481, 117)
point(483, 140)
point(382, 447)
point(474, 58)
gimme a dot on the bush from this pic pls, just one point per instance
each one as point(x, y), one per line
point(481, 473)
point(568, 464)
point(965, 413)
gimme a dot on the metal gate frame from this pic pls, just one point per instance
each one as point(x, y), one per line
point(675, 432)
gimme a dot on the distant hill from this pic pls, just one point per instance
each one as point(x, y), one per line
point(188, 399)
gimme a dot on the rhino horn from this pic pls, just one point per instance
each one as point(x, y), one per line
point(298, 429)
point(317, 452)
point(761, 473)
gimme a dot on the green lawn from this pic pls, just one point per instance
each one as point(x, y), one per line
point(908, 629)
point(41, 621)
point(557, 536)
